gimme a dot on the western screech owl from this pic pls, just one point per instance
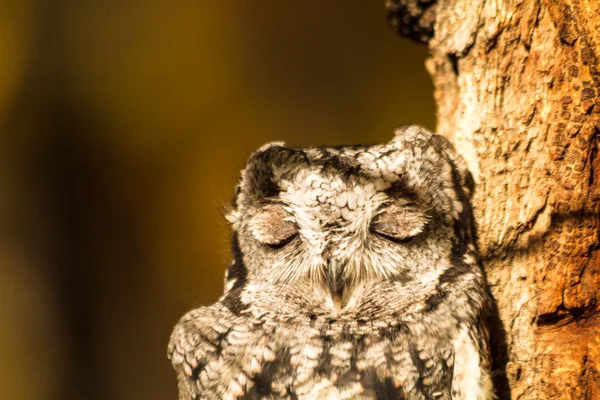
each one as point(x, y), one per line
point(354, 276)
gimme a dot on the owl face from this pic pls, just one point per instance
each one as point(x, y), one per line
point(332, 219)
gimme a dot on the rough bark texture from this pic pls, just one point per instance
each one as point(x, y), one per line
point(517, 88)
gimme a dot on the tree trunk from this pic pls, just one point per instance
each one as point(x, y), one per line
point(517, 85)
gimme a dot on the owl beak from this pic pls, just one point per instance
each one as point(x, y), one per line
point(335, 282)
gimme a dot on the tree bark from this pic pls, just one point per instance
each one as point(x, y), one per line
point(517, 86)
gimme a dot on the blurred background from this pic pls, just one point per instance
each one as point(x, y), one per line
point(123, 127)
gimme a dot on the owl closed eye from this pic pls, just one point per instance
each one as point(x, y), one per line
point(401, 220)
point(273, 226)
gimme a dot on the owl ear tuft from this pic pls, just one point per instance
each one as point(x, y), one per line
point(410, 135)
point(264, 170)
point(413, 135)
point(462, 176)
point(266, 147)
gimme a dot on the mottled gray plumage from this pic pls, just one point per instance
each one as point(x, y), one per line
point(354, 276)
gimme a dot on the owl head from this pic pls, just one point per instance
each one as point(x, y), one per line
point(328, 220)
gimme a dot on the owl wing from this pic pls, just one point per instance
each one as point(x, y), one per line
point(220, 354)
point(471, 378)
point(442, 351)
point(194, 350)
point(455, 318)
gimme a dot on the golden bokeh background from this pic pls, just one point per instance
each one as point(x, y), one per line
point(123, 127)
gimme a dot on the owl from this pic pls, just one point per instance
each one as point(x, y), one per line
point(355, 275)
